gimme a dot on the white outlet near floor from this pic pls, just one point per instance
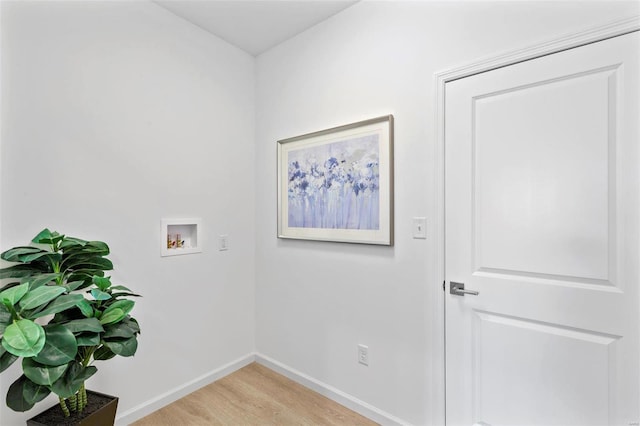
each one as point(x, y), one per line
point(223, 242)
point(363, 354)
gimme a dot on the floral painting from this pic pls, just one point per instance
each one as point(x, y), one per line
point(337, 184)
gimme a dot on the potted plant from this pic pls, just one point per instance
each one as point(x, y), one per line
point(60, 313)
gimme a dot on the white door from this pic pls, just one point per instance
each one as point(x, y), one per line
point(542, 188)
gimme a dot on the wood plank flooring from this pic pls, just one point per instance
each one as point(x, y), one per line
point(254, 395)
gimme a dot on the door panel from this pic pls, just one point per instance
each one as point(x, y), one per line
point(548, 171)
point(542, 219)
point(550, 381)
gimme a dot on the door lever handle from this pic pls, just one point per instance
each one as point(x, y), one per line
point(458, 289)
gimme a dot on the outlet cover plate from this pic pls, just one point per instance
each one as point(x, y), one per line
point(420, 228)
point(363, 354)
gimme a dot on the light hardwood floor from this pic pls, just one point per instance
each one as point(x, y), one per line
point(254, 395)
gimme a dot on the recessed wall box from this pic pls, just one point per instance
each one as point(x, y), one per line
point(180, 236)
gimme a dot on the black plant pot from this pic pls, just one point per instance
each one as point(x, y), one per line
point(100, 411)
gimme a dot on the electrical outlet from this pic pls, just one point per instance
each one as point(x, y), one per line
point(223, 242)
point(363, 354)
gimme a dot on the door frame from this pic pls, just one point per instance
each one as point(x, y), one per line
point(558, 44)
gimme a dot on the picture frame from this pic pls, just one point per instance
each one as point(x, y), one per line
point(337, 184)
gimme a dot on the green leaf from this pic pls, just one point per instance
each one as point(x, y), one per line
point(124, 294)
point(99, 246)
point(103, 353)
point(117, 311)
point(23, 270)
point(60, 304)
point(70, 242)
point(40, 374)
point(5, 318)
point(121, 287)
point(72, 246)
point(114, 315)
point(86, 324)
point(67, 315)
point(40, 296)
point(85, 275)
point(34, 393)
point(88, 339)
point(73, 378)
point(102, 283)
point(86, 308)
point(133, 324)
point(100, 295)
point(114, 330)
point(44, 234)
point(71, 286)
point(24, 338)
point(47, 256)
point(15, 396)
point(7, 286)
point(118, 330)
point(96, 262)
point(6, 359)
point(78, 255)
point(95, 248)
point(60, 346)
point(123, 347)
point(14, 294)
point(45, 237)
point(39, 280)
point(15, 254)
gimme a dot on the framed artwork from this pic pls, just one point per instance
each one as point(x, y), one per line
point(337, 184)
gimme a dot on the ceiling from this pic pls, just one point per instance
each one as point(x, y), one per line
point(255, 25)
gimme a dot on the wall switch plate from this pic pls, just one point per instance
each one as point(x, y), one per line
point(223, 242)
point(363, 354)
point(420, 228)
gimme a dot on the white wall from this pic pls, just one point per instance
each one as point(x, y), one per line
point(158, 119)
point(115, 115)
point(316, 301)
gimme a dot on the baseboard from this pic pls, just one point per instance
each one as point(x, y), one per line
point(324, 389)
point(166, 398)
point(330, 392)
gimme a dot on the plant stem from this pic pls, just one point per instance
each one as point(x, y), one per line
point(63, 405)
point(85, 354)
point(83, 396)
point(73, 400)
point(11, 309)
